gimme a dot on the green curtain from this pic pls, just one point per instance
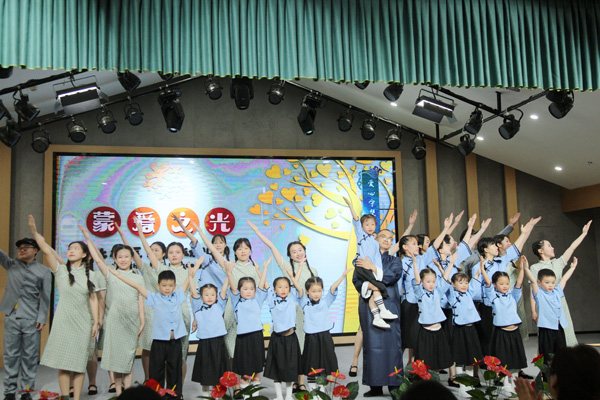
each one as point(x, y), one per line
point(507, 43)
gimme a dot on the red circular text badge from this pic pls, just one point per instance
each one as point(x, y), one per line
point(219, 221)
point(147, 217)
point(187, 216)
point(101, 221)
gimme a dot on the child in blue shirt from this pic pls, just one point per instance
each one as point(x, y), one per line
point(212, 359)
point(551, 316)
point(283, 354)
point(167, 326)
point(319, 351)
point(246, 301)
point(368, 247)
point(432, 345)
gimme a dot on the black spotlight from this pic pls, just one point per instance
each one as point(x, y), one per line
point(393, 138)
point(466, 145)
point(106, 121)
point(129, 80)
point(40, 140)
point(77, 130)
point(562, 102)
point(393, 91)
point(345, 121)
point(213, 88)
point(25, 109)
point(510, 126)
point(473, 125)
point(418, 149)
point(367, 129)
point(361, 85)
point(9, 134)
point(276, 92)
point(133, 113)
point(171, 108)
point(242, 91)
point(5, 72)
point(308, 112)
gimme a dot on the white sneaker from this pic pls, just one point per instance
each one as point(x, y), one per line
point(387, 314)
point(380, 323)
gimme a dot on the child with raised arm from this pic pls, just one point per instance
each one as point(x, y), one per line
point(319, 350)
point(283, 355)
point(506, 343)
point(551, 315)
point(125, 322)
point(368, 247)
point(168, 327)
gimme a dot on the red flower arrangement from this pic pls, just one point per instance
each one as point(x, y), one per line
point(226, 384)
point(162, 392)
point(414, 372)
point(218, 391)
point(341, 391)
point(229, 379)
point(420, 369)
point(397, 371)
point(46, 395)
point(326, 382)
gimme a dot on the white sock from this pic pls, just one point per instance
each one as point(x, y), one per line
point(375, 311)
point(278, 393)
point(289, 386)
point(379, 302)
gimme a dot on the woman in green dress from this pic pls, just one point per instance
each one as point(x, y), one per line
point(76, 318)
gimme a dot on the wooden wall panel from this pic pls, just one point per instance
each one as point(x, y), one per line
point(472, 186)
point(433, 200)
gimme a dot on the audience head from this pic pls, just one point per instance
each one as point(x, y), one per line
point(575, 374)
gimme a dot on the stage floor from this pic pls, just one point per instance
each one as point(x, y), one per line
point(47, 377)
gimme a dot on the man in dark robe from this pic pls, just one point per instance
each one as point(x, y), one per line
point(382, 348)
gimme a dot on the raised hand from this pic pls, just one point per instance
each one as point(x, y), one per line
point(229, 266)
point(32, 224)
point(524, 263)
point(347, 200)
point(266, 263)
point(252, 226)
point(514, 219)
point(485, 224)
point(453, 257)
point(412, 218)
point(574, 263)
point(586, 227)
point(458, 217)
point(448, 221)
point(85, 232)
point(472, 220)
point(529, 226)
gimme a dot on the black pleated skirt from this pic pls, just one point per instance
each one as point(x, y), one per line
point(433, 348)
point(249, 355)
point(212, 361)
point(284, 361)
point(549, 341)
point(447, 324)
point(465, 345)
point(485, 328)
point(409, 324)
point(508, 347)
point(319, 352)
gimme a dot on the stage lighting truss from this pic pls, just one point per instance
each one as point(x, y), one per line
point(9, 135)
point(129, 80)
point(25, 110)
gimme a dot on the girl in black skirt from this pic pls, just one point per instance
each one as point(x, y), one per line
point(283, 353)
point(319, 351)
point(507, 344)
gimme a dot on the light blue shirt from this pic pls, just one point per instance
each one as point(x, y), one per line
point(430, 309)
point(316, 315)
point(283, 310)
point(167, 315)
point(405, 284)
point(504, 305)
point(366, 245)
point(550, 310)
point(210, 318)
point(493, 266)
point(247, 311)
point(463, 251)
point(463, 308)
point(210, 271)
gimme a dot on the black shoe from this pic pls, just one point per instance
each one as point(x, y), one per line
point(443, 371)
point(524, 375)
point(26, 396)
point(92, 390)
point(374, 392)
point(451, 383)
point(112, 388)
point(9, 396)
point(71, 391)
point(353, 371)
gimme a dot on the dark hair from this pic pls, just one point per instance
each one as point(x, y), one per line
point(404, 240)
point(226, 250)
point(463, 233)
point(313, 280)
point(484, 243)
point(459, 277)
point(87, 262)
point(289, 246)
point(447, 239)
point(421, 239)
point(426, 271)
point(499, 274)
point(536, 247)
point(162, 247)
point(577, 371)
point(139, 392)
point(367, 217)
point(208, 286)
point(499, 238)
point(113, 251)
point(167, 275)
point(280, 278)
point(244, 280)
point(427, 390)
point(237, 245)
point(544, 272)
